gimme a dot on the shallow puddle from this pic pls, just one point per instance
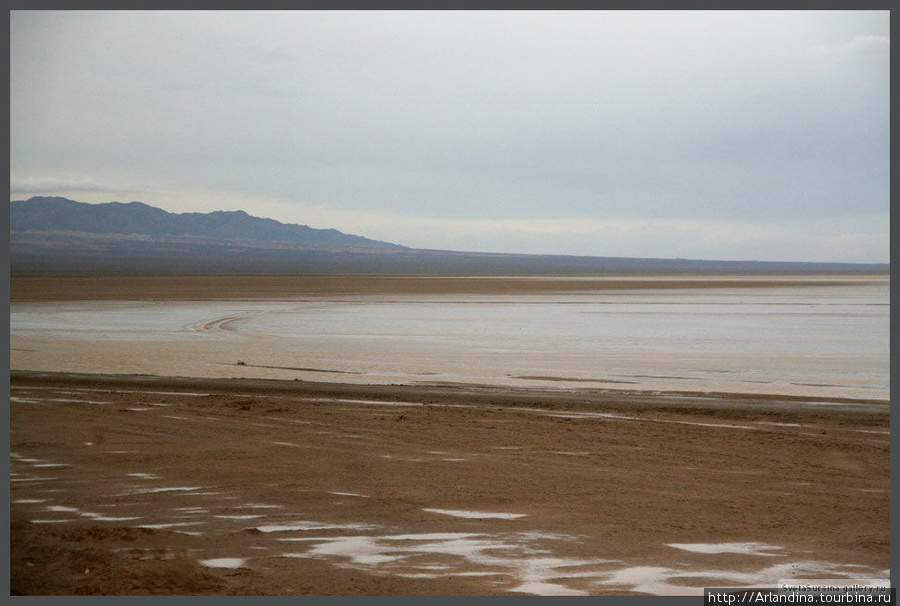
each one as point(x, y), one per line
point(168, 525)
point(144, 476)
point(96, 517)
point(224, 562)
point(238, 517)
point(477, 515)
point(526, 558)
point(306, 526)
point(657, 580)
point(167, 489)
point(434, 555)
point(712, 548)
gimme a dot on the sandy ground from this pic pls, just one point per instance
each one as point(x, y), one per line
point(200, 288)
point(147, 485)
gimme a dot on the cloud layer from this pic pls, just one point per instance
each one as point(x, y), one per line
point(730, 135)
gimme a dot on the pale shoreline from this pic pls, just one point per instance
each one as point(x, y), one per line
point(266, 358)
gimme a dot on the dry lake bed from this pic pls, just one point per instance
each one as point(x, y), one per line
point(448, 436)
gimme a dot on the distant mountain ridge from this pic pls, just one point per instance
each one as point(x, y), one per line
point(57, 236)
point(54, 214)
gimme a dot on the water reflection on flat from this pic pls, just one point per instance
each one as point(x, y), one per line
point(830, 341)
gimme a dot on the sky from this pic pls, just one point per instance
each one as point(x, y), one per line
point(727, 135)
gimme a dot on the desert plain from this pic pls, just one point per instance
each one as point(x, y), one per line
point(141, 484)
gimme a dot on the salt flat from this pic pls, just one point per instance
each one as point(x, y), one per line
point(448, 437)
point(774, 336)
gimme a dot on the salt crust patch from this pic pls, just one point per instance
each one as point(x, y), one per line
point(239, 517)
point(350, 494)
point(478, 515)
point(76, 401)
point(22, 459)
point(410, 460)
point(97, 517)
point(512, 554)
point(168, 489)
point(547, 589)
point(223, 562)
point(144, 476)
point(174, 393)
point(25, 400)
point(102, 518)
point(537, 573)
point(654, 580)
point(712, 548)
point(375, 402)
point(604, 415)
point(30, 501)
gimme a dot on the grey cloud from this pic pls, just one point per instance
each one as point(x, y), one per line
point(19, 186)
point(726, 115)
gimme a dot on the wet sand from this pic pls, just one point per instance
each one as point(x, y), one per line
point(151, 485)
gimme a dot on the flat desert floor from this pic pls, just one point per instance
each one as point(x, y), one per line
point(142, 485)
point(136, 484)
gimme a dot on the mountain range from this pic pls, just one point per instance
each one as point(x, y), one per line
point(57, 236)
point(136, 218)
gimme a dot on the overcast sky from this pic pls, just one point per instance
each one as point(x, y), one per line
point(709, 135)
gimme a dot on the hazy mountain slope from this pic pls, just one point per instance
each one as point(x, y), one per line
point(62, 237)
point(60, 214)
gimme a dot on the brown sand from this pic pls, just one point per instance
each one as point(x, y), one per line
point(603, 497)
point(199, 288)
